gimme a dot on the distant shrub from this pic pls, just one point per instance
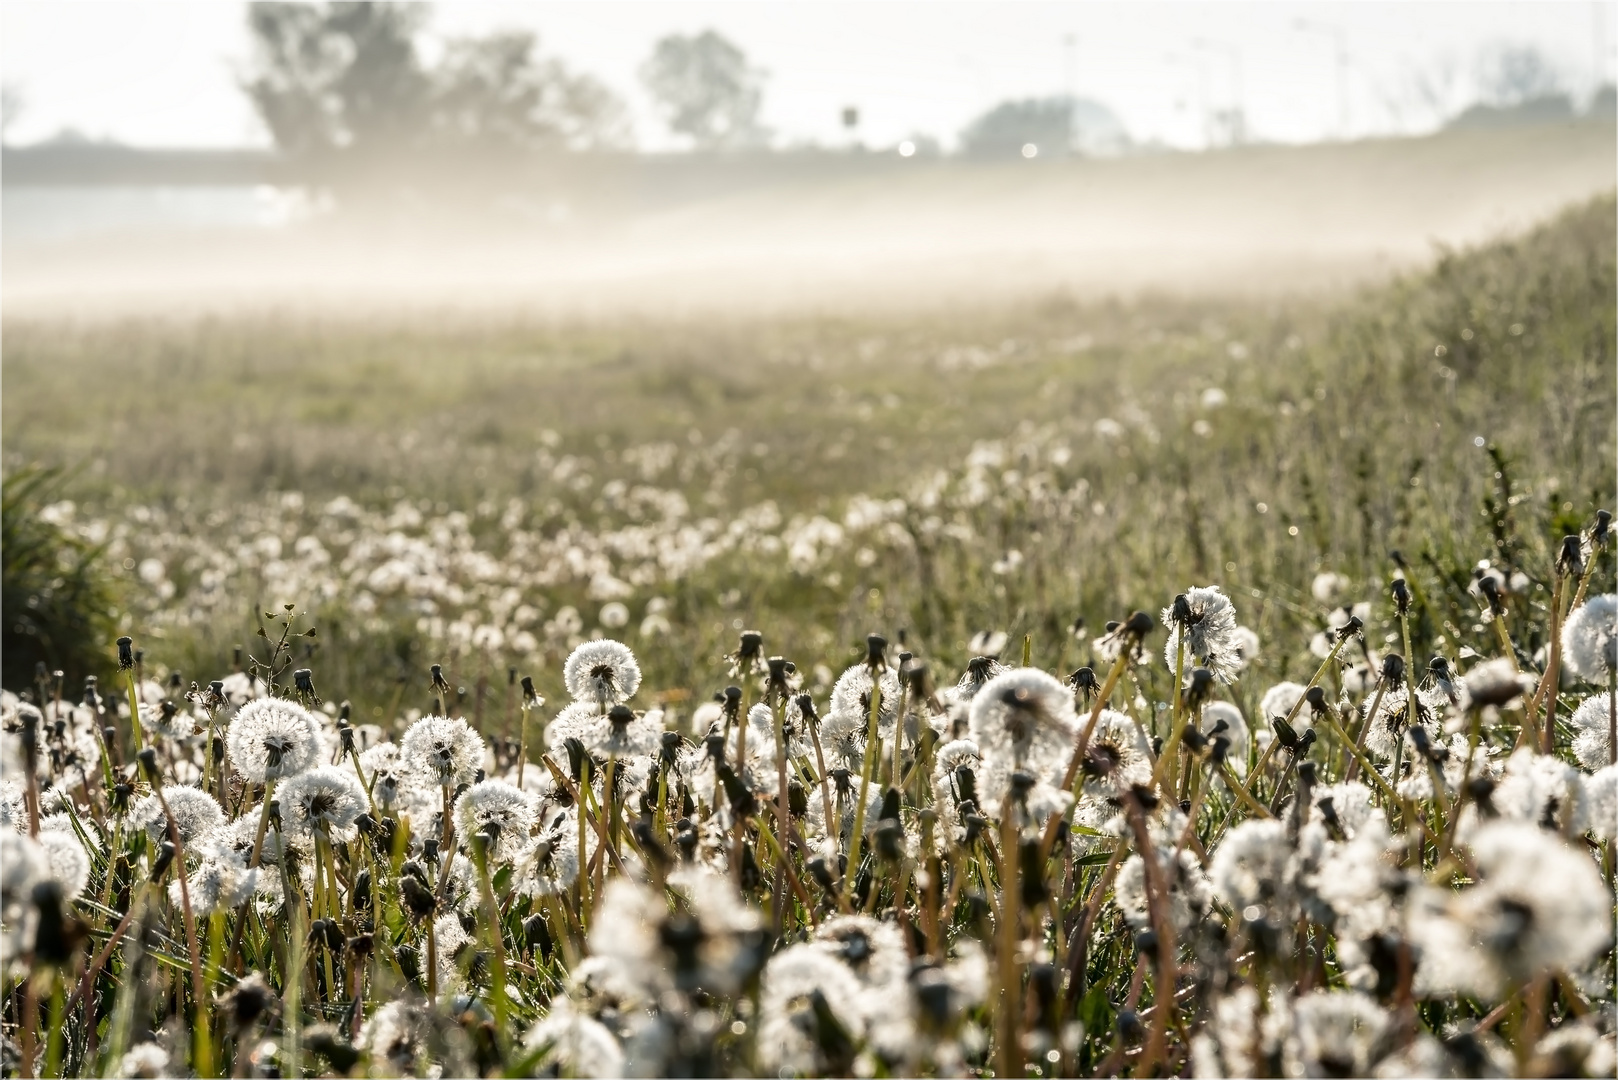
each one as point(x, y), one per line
point(56, 597)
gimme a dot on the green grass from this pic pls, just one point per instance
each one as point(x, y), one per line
point(1355, 423)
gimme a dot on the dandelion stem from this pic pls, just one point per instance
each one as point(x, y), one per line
point(873, 749)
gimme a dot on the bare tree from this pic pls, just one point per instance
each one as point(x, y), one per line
point(706, 90)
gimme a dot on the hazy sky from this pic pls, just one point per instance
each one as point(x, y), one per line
point(164, 73)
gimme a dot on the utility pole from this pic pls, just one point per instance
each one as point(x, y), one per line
point(1339, 38)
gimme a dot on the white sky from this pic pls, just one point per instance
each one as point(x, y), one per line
point(164, 73)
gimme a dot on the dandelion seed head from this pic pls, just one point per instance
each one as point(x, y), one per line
point(1592, 741)
point(495, 802)
point(1338, 1032)
point(1600, 804)
point(602, 672)
point(1235, 730)
point(196, 814)
point(802, 986)
point(1208, 628)
point(1252, 867)
point(1279, 700)
point(1536, 906)
point(69, 863)
point(574, 1044)
point(851, 696)
point(145, 1059)
point(272, 738)
point(325, 800)
point(549, 864)
point(439, 750)
point(1590, 638)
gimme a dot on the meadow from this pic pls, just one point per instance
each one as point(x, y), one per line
point(892, 593)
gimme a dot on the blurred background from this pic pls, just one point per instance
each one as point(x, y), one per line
point(691, 156)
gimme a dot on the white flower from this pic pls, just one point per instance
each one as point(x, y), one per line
point(326, 800)
point(1278, 701)
point(1022, 721)
point(69, 863)
point(574, 1044)
point(441, 751)
point(808, 995)
point(1252, 867)
point(273, 738)
point(851, 696)
point(1537, 906)
point(1590, 638)
point(495, 802)
point(196, 814)
point(1592, 720)
point(1209, 630)
point(602, 672)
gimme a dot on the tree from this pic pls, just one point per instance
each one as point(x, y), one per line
point(1003, 131)
point(499, 90)
point(340, 80)
point(706, 90)
point(340, 76)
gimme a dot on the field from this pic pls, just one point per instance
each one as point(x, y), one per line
point(1372, 478)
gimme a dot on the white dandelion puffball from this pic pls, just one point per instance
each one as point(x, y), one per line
point(1592, 743)
point(326, 800)
point(497, 803)
point(196, 814)
point(1590, 638)
point(603, 672)
point(1210, 633)
point(273, 738)
point(440, 751)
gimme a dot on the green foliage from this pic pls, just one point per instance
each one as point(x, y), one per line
point(56, 596)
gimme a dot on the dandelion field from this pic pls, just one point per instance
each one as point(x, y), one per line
point(1151, 688)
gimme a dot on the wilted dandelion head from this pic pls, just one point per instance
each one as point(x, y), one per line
point(440, 750)
point(503, 805)
point(326, 800)
point(1590, 638)
point(603, 672)
point(1205, 620)
point(272, 738)
point(196, 814)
